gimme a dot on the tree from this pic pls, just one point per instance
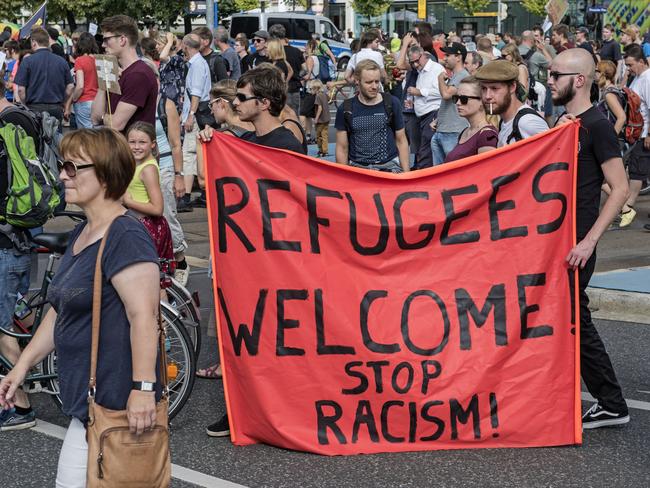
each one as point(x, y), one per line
point(247, 4)
point(468, 7)
point(371, 8)
point(535, 6)
point(10, 9)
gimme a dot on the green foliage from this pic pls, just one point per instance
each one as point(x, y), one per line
point(535, 6)
point(10, 9)
point(468, 7)
point(371, 8)
point(247, 4)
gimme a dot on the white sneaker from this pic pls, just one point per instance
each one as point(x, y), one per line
point(182, 275)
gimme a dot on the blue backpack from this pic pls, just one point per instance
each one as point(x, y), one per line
point(326, 69)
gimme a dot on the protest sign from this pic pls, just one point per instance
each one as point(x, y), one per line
point(556, 10)
point(363, 312)
point(108, 73)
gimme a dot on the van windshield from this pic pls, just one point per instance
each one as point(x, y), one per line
point(245, 25)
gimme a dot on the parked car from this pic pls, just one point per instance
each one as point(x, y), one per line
point(300, 28)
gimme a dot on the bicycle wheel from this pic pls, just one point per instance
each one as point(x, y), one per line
point(342, 94)
point(181, 362)
point(48, 366)
point(180, 300)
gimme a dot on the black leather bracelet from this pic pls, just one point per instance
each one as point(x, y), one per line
point(143, 386)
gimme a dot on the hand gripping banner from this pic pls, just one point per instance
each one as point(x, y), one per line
point(364, 312)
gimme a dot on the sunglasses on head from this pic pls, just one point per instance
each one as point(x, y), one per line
point(71, 168)
point(464, 99)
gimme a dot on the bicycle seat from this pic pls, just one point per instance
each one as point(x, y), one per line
point(55, 242)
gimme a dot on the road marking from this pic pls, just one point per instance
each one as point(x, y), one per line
point(178, 472)
point(638, 404)
point(198, 262)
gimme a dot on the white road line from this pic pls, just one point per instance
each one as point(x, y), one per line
point(178, 472)
point(638, 404)
point(198, 262)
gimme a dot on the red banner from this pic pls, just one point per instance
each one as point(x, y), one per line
point(363, 312)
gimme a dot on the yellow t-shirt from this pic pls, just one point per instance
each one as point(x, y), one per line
point(136, 188)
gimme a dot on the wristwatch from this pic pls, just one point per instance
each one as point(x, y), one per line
point(179, 173)
point(143, 385)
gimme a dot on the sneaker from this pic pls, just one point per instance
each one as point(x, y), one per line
point(182, 206)
point(627, 217)
point(597, 417)
point(198, 202)
point(182, 275)
point(646, 227)
point(221, 428)
point(10, 420)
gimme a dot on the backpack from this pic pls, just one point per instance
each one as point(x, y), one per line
point(32, 189)
point(634, 120)
point(326, 69)
point(515, 134)
point(388, 107)
point(218, 67)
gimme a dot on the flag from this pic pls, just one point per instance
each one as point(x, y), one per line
point(37, 20)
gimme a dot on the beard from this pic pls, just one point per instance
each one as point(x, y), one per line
point(499, 108)
point(564, 96)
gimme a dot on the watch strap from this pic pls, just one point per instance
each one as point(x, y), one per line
point(143, 386)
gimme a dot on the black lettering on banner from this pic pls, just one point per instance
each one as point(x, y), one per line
point(524, 281)
point(321, 347)
point(363, 381)
point(427, 375)
point(399, 223)
point(433, 419)
point(376, 368)
point(325, 422)
point(409, 378)
point(451, 216)
point(270, 244)
point(465, 306)
point(384, 421)
point(285, 323)
point(494, 207)
point(547, 197)
point(413, 421)
point(382, 239)
point(459, 414)
point(363, 416)
point(251, 340)
point(494, 413)
point(373, 346)
point(225, 211)
point(313, 192)
point(405, 323)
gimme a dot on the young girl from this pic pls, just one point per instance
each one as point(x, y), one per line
point(322, 116)
point(143, 195)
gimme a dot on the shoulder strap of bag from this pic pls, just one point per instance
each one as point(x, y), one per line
point(516, 134)
point(96, 322)
point(347, 114)
point(387, 99)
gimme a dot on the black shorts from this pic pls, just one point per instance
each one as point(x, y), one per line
point(639, 162)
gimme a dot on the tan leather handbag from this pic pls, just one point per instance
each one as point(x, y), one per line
point(117, 458)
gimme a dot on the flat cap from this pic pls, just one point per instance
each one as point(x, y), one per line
point(262, 34)
point(498, 70)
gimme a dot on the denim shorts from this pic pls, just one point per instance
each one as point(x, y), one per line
point(14, 278)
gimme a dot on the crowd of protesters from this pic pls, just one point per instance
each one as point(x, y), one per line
point(424, 100)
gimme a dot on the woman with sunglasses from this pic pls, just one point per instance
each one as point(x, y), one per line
point(480, 136)
point(96, 172)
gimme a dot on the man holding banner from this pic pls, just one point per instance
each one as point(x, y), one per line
point(571, 76)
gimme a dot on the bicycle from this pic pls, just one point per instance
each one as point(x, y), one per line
point(181, 358)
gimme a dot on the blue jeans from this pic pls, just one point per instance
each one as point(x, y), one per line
point(14, 278)
point(82, 114)
point(442, 143)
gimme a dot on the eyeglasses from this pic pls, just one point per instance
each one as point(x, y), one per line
point(415, 61)
point(464, 99)
point(258, 40)
point(71, 168)
point(106, 38)
point(215, 100)
point(556, 74)
point(243, 98)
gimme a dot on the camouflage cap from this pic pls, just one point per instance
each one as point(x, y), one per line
point(498, 70)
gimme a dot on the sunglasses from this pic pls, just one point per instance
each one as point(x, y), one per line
point(413, 62)
point(106, 38)
point(243, 98)
point(71, 168)
point(464, 99)
point(556, 74)
point(215, 100)
point(258, 40)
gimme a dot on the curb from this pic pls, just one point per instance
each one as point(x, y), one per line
point(619, 305)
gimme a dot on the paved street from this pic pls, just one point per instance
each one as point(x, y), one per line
point(608, 458)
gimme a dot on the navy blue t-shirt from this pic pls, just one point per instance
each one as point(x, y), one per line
point(371, 139)
point(44, 76)
point(71, 295)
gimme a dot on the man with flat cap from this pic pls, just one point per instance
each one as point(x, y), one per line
point(499, 92)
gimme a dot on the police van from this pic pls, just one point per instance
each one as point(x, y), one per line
point(300, 28)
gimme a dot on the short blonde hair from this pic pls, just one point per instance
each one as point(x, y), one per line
point(315, 86)
point(275, 49)
point(365, 65)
